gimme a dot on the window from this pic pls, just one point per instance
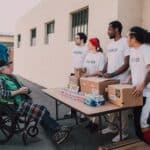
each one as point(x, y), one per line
point(79, 22)
point(50, 28)
point(18, 40)
point(33, 37)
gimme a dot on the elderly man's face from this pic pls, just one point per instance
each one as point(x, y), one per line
point(7, 70)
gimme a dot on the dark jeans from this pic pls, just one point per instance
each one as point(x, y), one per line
point(49, 124)
point(137, 114)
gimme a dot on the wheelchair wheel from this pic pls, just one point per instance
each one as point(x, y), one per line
point(32, 131)
point(7, 126)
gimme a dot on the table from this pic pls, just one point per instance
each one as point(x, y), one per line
point(89, 111)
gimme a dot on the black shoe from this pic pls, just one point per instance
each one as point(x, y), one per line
point(94, 128)
point(61, 134)
point(82, 120)
point(89, 125)
point(71, 114)
point(68, 116)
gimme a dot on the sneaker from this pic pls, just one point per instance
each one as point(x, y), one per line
point(65, 128)
point(117, 138)
point(109, 130)
point(89, 125)
point(81, 120)
point(92, 127)
point(68, 115)
point(60, 136)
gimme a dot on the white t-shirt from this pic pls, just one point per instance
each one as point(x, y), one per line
point(78, 55)
point(94, 62)
point(116, 52)
point(139, 59)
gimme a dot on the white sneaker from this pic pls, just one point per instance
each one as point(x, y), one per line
point(108, 130)
point(117, 138)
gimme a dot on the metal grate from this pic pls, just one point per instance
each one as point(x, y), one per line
point(79, 22)
point(50, 29)
point(33, 37)
point(18, 40)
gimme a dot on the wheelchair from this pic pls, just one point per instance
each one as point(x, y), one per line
point(13, 122)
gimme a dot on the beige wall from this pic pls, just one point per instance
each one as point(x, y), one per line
point(50, 65)
point(130, 13)
point(146, 14)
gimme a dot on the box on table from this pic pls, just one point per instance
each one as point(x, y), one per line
point(96, 85)
point(74, 83)
point(121, 95)
point(78, 72)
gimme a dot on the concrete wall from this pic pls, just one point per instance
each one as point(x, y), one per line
point(146, 14)
point(130, 13)
point(50, 65)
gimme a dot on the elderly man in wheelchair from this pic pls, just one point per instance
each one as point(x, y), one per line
point(18, 115)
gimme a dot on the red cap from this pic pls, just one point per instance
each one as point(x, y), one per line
point(94, 42)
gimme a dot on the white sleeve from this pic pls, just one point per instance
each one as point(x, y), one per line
point(146, 55)
point(101, 62)
point(84, 63)
point(126, 49)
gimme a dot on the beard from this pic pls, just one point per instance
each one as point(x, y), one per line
point(111, 36)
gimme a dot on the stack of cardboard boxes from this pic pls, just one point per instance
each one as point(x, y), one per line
point(96, 85)
point(74, 80)
point(118, 94)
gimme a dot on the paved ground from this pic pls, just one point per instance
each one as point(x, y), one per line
point(80, 138)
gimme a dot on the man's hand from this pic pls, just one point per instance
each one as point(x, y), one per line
point(100, 74)
point(138, 90)
point(23, 90)
point(86, 75)
point(107, 75)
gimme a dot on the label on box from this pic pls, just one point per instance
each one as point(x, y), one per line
point(112, 97)
point(117, 93)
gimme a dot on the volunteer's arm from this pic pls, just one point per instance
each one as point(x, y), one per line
point(96, 73)
point(101, 73)
point(120, 70)
point(139, 88)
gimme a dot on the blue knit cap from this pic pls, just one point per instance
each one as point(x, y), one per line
point(3, 53)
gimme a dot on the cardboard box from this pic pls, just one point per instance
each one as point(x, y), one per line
point(73, 80)
point(96, 85)
point(74, 83)
point(121, 95)
point(78, 72)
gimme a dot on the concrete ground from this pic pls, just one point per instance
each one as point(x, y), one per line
point(80, 138)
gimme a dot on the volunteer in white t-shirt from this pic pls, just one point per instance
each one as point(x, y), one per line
point(80, 51)
point(139, 41)
point(95, 60)
point(116, 67)
point(93, 64)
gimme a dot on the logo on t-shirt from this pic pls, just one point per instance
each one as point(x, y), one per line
point(91, 62)
point(135, 59)
point(113, 50)
point(77, 52)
